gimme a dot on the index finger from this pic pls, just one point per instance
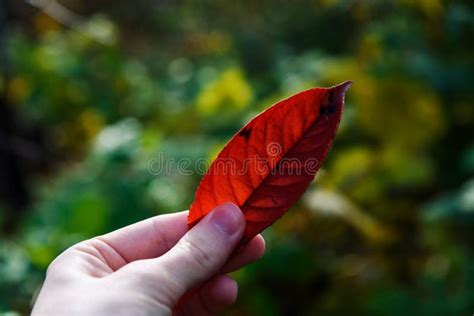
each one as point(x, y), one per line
point(149, 238)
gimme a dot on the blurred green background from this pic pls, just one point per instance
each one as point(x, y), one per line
point(92, 91)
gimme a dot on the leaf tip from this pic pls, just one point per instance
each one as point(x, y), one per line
point(342, 87)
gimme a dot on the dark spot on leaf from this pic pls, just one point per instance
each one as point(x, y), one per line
point(330, 107)
point(245, 133)
point(327, 109)
point(331, 96)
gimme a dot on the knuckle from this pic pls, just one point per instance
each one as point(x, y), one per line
point(197, 254)
point(59, 269)
point(56, 269)
point(52, 268)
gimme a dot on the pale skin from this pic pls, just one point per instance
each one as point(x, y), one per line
point(153, 267)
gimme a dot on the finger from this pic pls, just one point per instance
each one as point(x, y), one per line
point(200, 254)
point(211, 299)
point(251, 252)
point(143, 240)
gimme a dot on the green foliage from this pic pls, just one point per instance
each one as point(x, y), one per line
point(387, 227)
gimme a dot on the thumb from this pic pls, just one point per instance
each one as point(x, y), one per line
point(203, 250)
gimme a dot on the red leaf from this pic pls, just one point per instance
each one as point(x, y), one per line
point(269, 163)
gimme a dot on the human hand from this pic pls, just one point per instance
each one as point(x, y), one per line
point(153, 267)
